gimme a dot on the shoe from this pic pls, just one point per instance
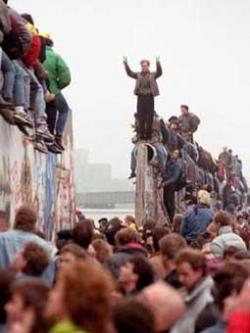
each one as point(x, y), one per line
point(40, 146)
point(22, 118)
point(43, 132)
point(54, 149)
point(132, 175)
point(7, 116)
point(26, 132)
point(58, 140)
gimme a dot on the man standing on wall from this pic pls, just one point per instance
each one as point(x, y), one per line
point(146, 89)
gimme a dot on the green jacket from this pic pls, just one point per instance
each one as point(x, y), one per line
point(57, 70)
point(66, 327)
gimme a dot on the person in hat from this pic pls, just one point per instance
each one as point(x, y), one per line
point(174, 139)
point(146, 89)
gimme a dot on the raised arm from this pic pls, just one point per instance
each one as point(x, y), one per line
point(158, 72)
point(128, 70)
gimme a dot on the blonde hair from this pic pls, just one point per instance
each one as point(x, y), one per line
point(204, 197)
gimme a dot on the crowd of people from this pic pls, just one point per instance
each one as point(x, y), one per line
point(116, 277)
point(33, 76)
point(181, 163)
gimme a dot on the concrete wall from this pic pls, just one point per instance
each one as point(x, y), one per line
point(44, 181)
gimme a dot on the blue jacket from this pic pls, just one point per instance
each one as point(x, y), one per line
point(173, 171)
point(13, 241)
point(196, 221)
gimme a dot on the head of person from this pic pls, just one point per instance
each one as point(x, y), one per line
point(173, 123)
point(83, 233)
point(223, 219)
point(28, 296)
point(102, 250)
point(133, 316)
point(7, 278)
point(158, 234)
point(186, 135)
point(28, 18)
point(145, 64)
point(136, 274)
point(32, 260)
point(126, 236)
point(166, 304)
point(25, 219)
point(130, 221)
point(175, 155)
point(228, 282)
point(114, 225)
point(70, 254)
point(204, 198)
point(191, 267)
point(184, 110)
point(63, 237)
point(90, 312)
point(170, 246)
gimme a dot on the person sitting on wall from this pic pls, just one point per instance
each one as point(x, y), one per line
point(173, 138)
point(146, 89)
point(59, 78)
point(158, 140)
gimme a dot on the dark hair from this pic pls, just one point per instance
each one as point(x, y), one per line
point(126, 236)
point(158, 234)
point(6, 280)
point(113, 226)
point(171, 244)
point(184, 106)
point(37, 259)
point(132, 316)
point(229, 278)
point(74, 249)
point(144, 60)
point(83, 233)
point(143, 268)
point(195, 258)
point(28, 18)
point(35, 294)
point(25, 219)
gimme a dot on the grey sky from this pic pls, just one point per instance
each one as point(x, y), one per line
point(204, 47)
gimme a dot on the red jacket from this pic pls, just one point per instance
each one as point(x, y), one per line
point(33, 53)
point(239, 322)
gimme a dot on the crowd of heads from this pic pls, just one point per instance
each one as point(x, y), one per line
point(116, 276)
point(32, 78)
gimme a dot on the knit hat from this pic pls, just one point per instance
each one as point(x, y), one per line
point(204, 197)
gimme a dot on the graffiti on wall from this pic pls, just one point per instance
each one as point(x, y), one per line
point(43, 181)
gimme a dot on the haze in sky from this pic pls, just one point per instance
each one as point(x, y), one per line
point(204, 46)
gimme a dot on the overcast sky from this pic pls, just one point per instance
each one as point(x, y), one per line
point(204, 46)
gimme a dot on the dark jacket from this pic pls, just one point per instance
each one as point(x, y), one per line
point(153, 77)
point(121, 256)
point(173, 172)
point(196, 221)
point(189, 122)
point(5, 24)
point(18, 41)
